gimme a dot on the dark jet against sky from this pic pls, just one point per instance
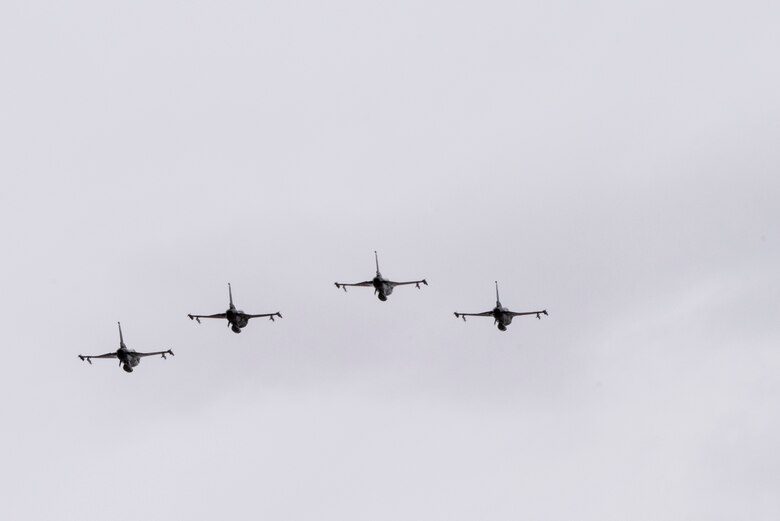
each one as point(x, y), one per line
point(237, 319)
point(382, 287)
point(501, 315)
point(128, 358)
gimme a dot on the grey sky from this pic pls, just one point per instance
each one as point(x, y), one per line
point(615, 163)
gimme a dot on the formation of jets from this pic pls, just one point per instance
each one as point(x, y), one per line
point(237, 319)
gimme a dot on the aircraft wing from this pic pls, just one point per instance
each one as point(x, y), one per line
point(89, 358)
point(269, 315)
point(162, 353)
point(415, 282)
point(537, 313)
point(464, 315)
point(198, 317)
point(366, 283)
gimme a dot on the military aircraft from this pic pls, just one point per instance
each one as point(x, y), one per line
point(128, 358)
point(237, 319)
point(382, 287)
point(501, 315)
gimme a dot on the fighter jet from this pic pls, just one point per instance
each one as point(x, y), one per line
point(501, 315)
point(237, 319)
point(128, 358)
point(382, 287)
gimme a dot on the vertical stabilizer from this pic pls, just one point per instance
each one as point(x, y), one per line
point(230, 292)
point(376, 259)
point(498, 301)
point(121, 339)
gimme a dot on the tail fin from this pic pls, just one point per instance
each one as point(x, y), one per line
point(121, 339)
point(376, 259)
point(498, 301)
point(230, 292)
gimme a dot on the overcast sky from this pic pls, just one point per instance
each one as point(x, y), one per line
point(616, 163)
